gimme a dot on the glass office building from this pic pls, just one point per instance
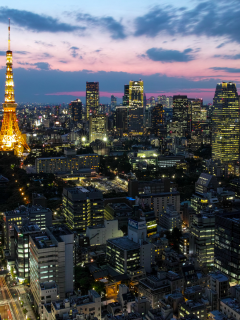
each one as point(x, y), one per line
point(225, 123)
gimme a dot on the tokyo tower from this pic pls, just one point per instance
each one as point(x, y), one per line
point(11, 138)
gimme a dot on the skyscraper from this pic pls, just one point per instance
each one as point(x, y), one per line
point(180, 123)
point(75, 111)
point(196, 122)
point(157, 115)
point(225, 123)
point(122, 120)
point(136, 93)
point(92, 98)
point(113, 102)
point(135, 111)
point(126, 95)
point(11, 138)
point(98, 126)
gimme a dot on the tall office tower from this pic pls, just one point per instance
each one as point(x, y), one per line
point(196, 122)
point(113, 102)
point(83, 207)
point(147, 118)
point(144, 100)
point(157, 116)
point(75, 112)
point(225, 123)
point(135, 120)
point(201, 241)
point(51, 262)
point(136, 94)
point(57, 110)
point(135, 112)
point(180, 123)
point(152, 101)
point(122, 120)
point(92, 98)
point(126, 95)
point(227, 245)
point(22, 249)
point(169, 102)
point(98, 127)
point(11, 138)
point(162, 100)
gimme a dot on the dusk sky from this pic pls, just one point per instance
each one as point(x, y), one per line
point(176, 47)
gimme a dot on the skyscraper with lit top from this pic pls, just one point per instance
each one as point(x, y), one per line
point(135, 110)
point(225, 123)
point(92, 98)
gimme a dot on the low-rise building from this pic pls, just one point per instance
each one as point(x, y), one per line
point(131, 252)
point(74, 307)
point(199, 308)
point(69, 163)
point(118, 211)
point(159, 201)
point(230, 307)
point(156, 287)
point(98, 235)
point(170, 218)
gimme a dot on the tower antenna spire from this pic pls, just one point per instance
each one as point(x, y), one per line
point(9, 35)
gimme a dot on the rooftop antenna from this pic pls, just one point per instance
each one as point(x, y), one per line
point(9, 35)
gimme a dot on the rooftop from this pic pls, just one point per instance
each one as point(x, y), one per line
point(219, 276)
point(29, 228)
point(232, 303)
point(159, 194)
point(42, 241)
point(124, 243)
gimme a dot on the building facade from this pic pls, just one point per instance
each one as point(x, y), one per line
point(225, 123)
point(68, 163)
point(98, 127)
point(83, 207)
point(92, 98)
point(51, 259)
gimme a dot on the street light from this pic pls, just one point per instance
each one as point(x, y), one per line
point(83, 139)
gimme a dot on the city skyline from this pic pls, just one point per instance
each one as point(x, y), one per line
point(174, 49)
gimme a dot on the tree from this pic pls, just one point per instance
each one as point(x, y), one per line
point(25, 311)
point(99, 287)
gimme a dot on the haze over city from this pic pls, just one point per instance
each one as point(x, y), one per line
point(176, 48)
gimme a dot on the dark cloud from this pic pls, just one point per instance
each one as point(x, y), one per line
point(39, 65)
point(159, 54)
point(42, 65)
point(36, 22)
point(221, 45)
point(156, 20)
point(3, 53)
point(230, 70)
point(43, 82)
point(210, 18)
point(62, 61)
point(44, 44)
point(74, 52)
point(46, 55)
point(226, 56)
point(114, 27)
point(21, 52)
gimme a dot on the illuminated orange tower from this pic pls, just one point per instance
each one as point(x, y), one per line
point(11, 138)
